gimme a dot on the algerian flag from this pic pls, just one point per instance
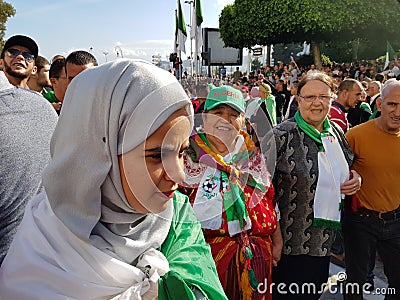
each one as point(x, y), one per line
point(197, 19)
point(176, 33)
point(181, 37)
point(389, 54)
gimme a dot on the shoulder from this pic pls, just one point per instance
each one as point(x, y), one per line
point(336, 127)
point(361, 129)
point(285, 127)
point(338, 131)
point(26, 113)
point(22, 99)
point(335, 109)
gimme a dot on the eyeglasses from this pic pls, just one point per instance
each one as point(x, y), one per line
point(314, 98)
point(29, 57)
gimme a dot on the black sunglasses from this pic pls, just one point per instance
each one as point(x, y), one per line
point(29, 57)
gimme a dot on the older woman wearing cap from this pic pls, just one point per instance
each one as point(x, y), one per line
point(230, 188)
point(311, 177)
point(109, 225)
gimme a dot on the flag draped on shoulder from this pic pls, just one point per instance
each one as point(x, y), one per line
point(389, 54)
point(181, 32)
point(197, 20)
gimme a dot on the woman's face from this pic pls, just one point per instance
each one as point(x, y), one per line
point(314, 112)
point(222, 124)
point(150, 173)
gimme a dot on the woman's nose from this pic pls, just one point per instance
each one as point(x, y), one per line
point(174, 170)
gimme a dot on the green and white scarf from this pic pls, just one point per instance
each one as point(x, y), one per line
point(333, 170)
point(224, 174)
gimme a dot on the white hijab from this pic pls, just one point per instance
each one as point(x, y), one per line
point(107, 111)
point(82, 182)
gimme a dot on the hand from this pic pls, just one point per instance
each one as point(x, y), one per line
point(57, 105)
point(276, 253)
point(277, 245)
point(351, 186)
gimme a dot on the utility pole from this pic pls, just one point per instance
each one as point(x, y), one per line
point(105, 52)
point(190, 2)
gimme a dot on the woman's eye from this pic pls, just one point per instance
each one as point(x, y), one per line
point(157, 156)
point(183, 151)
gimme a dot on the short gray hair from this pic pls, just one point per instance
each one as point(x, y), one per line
point(388, 86)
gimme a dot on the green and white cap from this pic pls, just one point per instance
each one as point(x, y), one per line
point(225, 94)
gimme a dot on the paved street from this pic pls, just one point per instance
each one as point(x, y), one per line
point(336, 271)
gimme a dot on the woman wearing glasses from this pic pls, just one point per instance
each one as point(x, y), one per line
point(311, 175)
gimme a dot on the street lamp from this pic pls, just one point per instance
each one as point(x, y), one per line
point(190, 2)
point(105, 52)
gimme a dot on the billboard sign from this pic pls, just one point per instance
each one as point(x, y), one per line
point(215, 53)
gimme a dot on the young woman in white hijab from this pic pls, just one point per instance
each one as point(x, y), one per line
point(110, 225)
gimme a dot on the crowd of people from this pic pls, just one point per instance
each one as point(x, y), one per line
point(120, 182)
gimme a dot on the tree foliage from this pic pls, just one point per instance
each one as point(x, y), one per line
point(6, 11)
point(255, 64)
point(284, 52)
point(264, 22)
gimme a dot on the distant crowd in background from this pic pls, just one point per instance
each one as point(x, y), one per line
point(281, 82)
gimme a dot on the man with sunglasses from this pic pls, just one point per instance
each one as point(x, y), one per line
point(18, 59)
point(27, 123)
